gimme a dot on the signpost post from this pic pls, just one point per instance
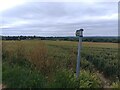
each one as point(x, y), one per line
point(79, 33)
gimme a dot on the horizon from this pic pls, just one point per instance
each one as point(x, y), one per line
point(51, 36)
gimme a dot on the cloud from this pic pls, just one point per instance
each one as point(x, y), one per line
point(61, 19)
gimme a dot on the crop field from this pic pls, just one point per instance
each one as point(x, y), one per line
point(52, 64)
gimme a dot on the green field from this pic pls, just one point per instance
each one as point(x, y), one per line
point(52, 64)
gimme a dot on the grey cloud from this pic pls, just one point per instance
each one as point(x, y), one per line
point(50, 18)
point(38, 9)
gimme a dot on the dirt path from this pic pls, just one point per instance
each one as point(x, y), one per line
point(105, 82)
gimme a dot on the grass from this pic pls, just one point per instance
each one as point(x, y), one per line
point(85, 44)
point(43, 64)
point(66, 79)
point(21, 77)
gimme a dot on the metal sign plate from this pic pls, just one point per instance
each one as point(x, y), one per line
point(79, 33)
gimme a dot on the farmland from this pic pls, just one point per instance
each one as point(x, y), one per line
point(52, 64)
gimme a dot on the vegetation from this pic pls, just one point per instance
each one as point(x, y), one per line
point(86, 39)
point(105, 60)
point(52, 64)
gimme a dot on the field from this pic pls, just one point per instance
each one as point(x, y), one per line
point(52, 64)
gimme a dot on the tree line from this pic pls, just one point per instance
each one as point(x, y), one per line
point(86, 39)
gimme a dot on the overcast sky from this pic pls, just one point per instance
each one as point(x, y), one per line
point(59, 18)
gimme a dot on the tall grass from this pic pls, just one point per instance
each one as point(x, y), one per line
point(38, 56)
point(67, 79)
point(47, 64)
point(15, 53)
point(18, 70)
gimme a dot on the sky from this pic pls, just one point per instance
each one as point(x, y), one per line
point(58, 18)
